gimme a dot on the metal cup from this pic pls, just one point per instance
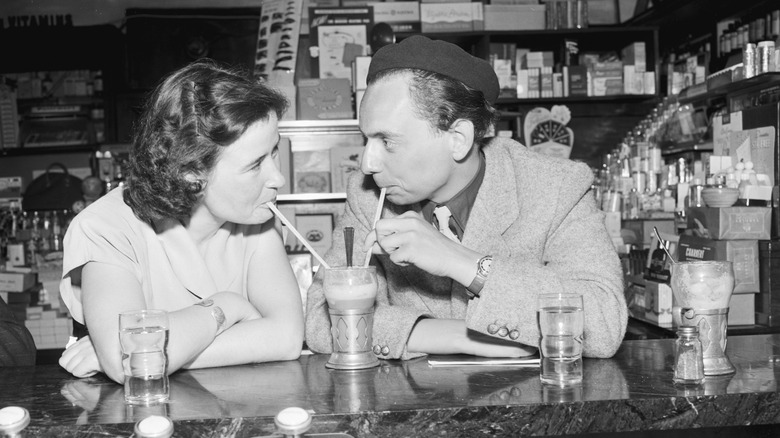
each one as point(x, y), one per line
point(351, 293)
point(712, 324)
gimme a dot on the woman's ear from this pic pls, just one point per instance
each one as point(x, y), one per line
point(195, 181)
point(462, 138)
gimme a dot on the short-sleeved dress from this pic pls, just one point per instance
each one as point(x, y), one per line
point(163, 258)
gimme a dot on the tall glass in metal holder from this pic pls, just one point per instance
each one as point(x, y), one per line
point(703, 289)
point(351, 293)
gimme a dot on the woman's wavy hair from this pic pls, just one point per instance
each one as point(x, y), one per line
point(188, 120)
point(442, 100)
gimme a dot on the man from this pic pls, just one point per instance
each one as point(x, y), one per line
point(522, 223)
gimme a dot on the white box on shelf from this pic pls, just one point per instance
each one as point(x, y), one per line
point(447, 17)
point(344, 161)
point(742, 309)
point(403, 16)
point(514, 17)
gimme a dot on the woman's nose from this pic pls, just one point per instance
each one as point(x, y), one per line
point(276, 179)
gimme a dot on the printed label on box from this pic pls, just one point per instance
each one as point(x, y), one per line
point(742, 253)
point(730, 223)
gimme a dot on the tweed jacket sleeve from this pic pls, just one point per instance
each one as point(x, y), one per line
point(537, 216)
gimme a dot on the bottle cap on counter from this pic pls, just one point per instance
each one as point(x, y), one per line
point(13, 419)
point(154, 426)
point(292, 421)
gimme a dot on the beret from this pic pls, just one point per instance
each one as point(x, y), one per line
point(440, 57)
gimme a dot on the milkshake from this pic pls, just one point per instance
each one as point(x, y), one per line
point(702, 284)
point(350, 288)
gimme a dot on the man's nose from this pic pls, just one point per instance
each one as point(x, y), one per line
point(370, 163)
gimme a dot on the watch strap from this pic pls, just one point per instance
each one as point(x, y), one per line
point(479, 280)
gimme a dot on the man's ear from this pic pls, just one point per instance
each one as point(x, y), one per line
point(461, 138)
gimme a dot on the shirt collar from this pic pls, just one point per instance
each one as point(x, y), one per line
point(460, 204)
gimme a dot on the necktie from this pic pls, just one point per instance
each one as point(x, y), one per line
point(443, 215)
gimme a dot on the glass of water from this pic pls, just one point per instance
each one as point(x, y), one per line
point(143, 335)
point(561, 327)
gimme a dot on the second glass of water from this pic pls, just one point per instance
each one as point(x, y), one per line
point(561, 322)
point(143, 335)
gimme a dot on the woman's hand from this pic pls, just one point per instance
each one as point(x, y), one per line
point(80, 359)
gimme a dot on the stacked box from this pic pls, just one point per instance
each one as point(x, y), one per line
point(634, 67)
point(402, 16)
point(49, 327)
point(768, 300)
point(451, 17)
point(742, 253)
point(16, 281)
point(731, 223)
point(635, 54)
point(607, 78)
point(733, 234)
point(658, 303)
point(642, 230)
point(322, 99)
point(576, 79)
point(514, 17)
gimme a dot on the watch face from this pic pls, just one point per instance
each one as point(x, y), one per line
point(484, 264)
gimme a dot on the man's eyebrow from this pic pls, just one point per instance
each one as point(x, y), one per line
point(380, 134)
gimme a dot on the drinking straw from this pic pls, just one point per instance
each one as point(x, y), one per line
point(377, 216)
point(297, 234)
point(349, 238)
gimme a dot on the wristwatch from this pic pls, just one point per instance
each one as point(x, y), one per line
point(483, 269)
point(219, 316)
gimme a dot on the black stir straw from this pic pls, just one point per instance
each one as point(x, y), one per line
point(349, 237)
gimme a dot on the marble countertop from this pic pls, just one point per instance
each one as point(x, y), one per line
point(632, 391)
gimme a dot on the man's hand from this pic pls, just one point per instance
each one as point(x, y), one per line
point(409, 240)
point(80, 359)
point(450, 336)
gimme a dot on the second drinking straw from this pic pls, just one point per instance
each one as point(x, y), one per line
point(297, 234)
point(377, 216)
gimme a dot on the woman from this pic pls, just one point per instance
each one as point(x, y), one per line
point(190, 233)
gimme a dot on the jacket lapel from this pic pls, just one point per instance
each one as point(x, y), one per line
point(494, 210)
point(496, 207)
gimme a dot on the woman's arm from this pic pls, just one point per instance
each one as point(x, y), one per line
point(108, 290)
point(274, 292)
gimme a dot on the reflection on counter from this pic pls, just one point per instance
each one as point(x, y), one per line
point(633, 391)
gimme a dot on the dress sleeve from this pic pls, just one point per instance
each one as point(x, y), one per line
point(95, 237)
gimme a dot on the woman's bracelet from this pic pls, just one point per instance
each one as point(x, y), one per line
point(216, 312)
